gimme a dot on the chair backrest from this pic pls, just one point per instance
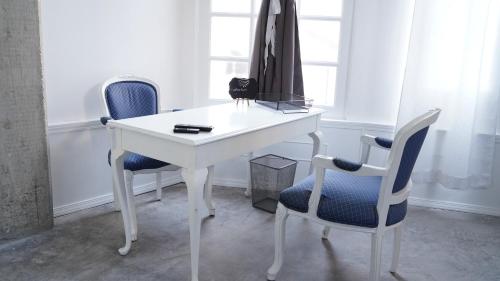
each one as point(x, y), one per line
point(130, 96)
point(404, 153)
point(405, 149)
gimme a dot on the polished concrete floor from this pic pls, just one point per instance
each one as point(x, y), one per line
point(237, 245)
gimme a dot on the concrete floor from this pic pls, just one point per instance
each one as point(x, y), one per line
point(238, 245)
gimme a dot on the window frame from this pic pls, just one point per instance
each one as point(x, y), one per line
point(202, 97)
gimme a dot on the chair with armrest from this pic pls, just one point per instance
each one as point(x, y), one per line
point(128, 97)
point(357, 196)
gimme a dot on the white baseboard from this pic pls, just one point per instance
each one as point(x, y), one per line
point(454, 206)
point(239, 183)
point(108, 198)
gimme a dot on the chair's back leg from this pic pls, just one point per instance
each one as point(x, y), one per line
point(376, 256)
point(158, 186)
point(326, 232)
point(396, 248)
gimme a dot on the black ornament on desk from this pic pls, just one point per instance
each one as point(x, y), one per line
point(241, 88)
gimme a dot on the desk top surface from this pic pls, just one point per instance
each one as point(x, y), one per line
point(227, 119)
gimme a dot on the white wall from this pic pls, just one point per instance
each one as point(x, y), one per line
point(87, 41)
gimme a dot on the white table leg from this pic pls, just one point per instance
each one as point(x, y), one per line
point(129, 188)
point(195, 180)
point(119, 185)
point(208, 191)
point(248, 192)
point(116, 201)
point(317, 139)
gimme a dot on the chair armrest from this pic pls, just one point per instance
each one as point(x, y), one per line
point(353, 168)
point(104, 120)
point(379, 142)
point(347, 165)
point(369, 141)
point(321, 163)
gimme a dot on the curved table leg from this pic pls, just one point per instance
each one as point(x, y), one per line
point(129, 188)
point(119, 185)
point(195, 180)
point(116, 201)
point(248, 192)
point(208, 191)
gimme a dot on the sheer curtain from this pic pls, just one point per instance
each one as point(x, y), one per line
point(454, 63)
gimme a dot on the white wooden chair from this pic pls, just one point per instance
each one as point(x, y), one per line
point(127, 97)
point(353, 196)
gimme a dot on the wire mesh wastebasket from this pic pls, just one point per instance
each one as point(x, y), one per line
point(270, 174)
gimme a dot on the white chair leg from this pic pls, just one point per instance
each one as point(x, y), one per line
point(129, 186)
point(158, 186)
point(396, 248)
point(279, 241)
point(208, 191)
point(195, 180)
point(376, 257)
point(326, 232)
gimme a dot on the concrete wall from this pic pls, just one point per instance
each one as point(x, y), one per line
point(25, 195)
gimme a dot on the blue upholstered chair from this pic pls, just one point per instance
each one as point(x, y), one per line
point(357, 196)
point(128, 97)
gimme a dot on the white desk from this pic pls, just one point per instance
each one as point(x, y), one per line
point(237, 130)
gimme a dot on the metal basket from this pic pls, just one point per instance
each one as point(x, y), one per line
point(270, 174)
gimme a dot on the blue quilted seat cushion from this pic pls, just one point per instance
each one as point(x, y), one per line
point(345, 199)
point(136, 162)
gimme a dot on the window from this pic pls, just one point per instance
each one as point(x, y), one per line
point(322, 26)
point(232, 25)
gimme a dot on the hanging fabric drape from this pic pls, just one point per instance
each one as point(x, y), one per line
point(453, 63)
point(276, 63)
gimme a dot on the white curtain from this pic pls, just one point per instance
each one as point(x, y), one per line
point(454, 63)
